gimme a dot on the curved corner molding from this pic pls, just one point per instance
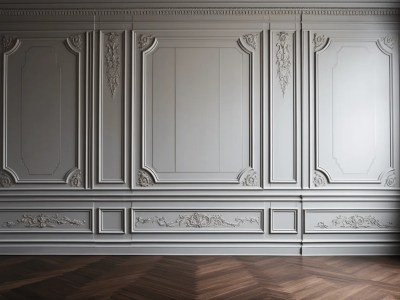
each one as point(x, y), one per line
point(7, 43)
point(251, 40)
point(144, 179)
point(249, 178)
point(75, 179)
point(391, 180)
point(319, 41)
point(144, 41)
point(43, 221)
point(283, 60)
point(319, 179)
point(6, 180)
point(112, 61)
point(197, 220)
point(76, 41)
point(354, 222)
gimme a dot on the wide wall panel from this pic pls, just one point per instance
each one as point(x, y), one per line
point(356, 109)
point(200, 108)
point(43, 110)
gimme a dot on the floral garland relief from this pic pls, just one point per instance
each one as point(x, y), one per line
point(44, 221)
point(354, 222)
point(112, 62)
point(283, 60)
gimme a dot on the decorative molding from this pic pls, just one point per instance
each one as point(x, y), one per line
point(251, 40)
point(76, 41)
point(8, 42)
point(319, 41)
point(319, 179)
point(197, 220)
point(389, 41)
point(200, 11)
point(144, 41)
point(112, 61)
point(249, 178)
point(76, 179)
point(44, 221)
point(5, 180)
point(283, 60)
point(354, 222)
point(144, 179)
point(391, 180)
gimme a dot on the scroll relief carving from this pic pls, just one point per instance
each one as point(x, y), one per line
point(391, 180)
point(354, 222)
point(112, 62)
point(5, 180)
point(144, 41)
point(44, 221)
point(144, 179)
point(197, 220)
point(283, 60)
point(250, 178)
point(319, 179)
point(76, 179)
point(251, 40)
point(388, 41)
point(319, 41)
point(8, 42)
point(76, 41)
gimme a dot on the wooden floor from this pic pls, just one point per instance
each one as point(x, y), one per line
point(191, 277)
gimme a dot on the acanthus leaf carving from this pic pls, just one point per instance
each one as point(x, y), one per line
point(197, 220)
point(283, 60)
point(391, 180)
point(251, 40)
point(319, 41)
point(144, 179)
point(44, 221)
point(113, 63)
point(144, 41)
point(76, 40)
point(354, 222)
point(76, 179)
point(5, 180)
point(8, 42)
point(319, 179)
point(249, 178)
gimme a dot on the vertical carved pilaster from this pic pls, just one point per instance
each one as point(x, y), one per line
point(112, 58)
point(283, 60)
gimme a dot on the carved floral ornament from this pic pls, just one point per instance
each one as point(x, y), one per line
point(144, 41)
point(319, 179)
point(75, 179)
point(391, 180)
point(7, 43)
point(319, 41)
point(5, 180)
point(249, 178)
point(43, 221)
point(112, 58)
point(354, 222)
point(144, 179)
point(197, 220)
point(251, 40)
point(283, 60)
point(389, 41)
point(76, 41)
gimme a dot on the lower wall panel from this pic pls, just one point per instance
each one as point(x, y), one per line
point(200, 228)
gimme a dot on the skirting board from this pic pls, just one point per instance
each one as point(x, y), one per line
point(259, 249)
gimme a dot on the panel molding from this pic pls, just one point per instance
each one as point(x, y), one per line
point(274, 230)
point(101, 211)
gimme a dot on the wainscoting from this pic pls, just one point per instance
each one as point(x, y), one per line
point(251, 129)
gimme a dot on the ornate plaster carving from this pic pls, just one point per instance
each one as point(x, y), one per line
point(43, 221)
point(76, 41)
point(354, 222)
point(75, 179)
point(319, 41)
point(112, 61)
point(249, 178)
point(206, 11)
point(8, 42)
point(319, 179)
point(5, 180)
point(144, 41)
point(144, 179)
point(251, 40)
point(283, 60)
point(197, 220)
point(391, 180)
point(389, 41)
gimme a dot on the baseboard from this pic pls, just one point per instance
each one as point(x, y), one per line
point(349, 249)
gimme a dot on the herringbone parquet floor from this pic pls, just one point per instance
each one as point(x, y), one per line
point(191, 277)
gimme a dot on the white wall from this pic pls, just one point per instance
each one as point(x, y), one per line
point(242, 129)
